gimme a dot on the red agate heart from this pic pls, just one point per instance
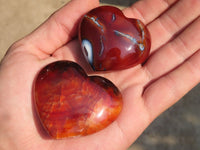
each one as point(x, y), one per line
point(69, 103)
point(110, 41)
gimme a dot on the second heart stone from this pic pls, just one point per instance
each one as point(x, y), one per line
point(110, 41)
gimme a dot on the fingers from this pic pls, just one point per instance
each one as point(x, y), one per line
point(59, 28)
point(163, 93)
point(165, 18)
point(175, 52)
point(148, 10)
point(174, 68)
point(173, 21)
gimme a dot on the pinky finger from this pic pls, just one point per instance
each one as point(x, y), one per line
point(167, 90)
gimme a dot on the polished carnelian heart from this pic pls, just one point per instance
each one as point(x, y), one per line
point(69, 103)
point(110, 41)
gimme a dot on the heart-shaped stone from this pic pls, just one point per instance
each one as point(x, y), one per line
point(70, 103)
point(110, 41)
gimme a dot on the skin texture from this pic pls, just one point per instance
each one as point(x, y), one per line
point(172, 69)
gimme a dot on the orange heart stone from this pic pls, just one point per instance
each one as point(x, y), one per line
point(70, 103)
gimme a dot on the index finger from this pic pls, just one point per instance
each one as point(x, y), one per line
point(59, 28)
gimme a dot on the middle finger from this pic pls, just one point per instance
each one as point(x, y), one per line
point(173, 21)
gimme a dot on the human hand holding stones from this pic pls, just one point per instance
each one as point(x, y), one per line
point(45, 92)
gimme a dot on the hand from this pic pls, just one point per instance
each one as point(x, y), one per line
point(172, 69)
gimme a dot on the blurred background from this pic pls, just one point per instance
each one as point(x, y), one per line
point(176, 129)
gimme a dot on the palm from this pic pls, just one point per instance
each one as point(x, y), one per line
point(147, 90)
